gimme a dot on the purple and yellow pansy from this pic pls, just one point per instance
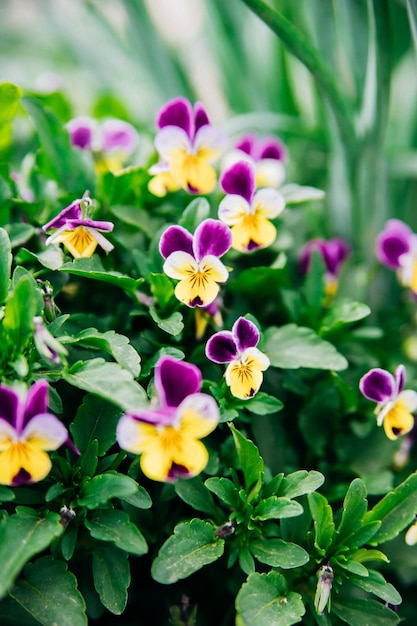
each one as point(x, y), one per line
point(79, 234)
point(167, 436)
point(334, 253)
point(395, 406)
point(248, 211)
point(246, 363)
point(27, 432)
point(187, 145)
point(396, 248)
point(195, 260)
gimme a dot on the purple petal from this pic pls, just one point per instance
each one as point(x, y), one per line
point(9, 405)
point(247, 143)
point(98, 225)
point(36, 400)
point(175, 380)
point(335, 252)
point(160, 416)
point(392, 242)
point(175, 239)
point(176, 112)
point(71, 212)
point(81, 131)
point(239, 179)
point(399, 376)
point(270, 148)
point(200, 116)
point(221, 347)
point(306, 252)
point(118, 135)
point(211, 237)
point(245, 333)
point(377, 385)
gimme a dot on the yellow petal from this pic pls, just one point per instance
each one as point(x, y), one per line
point(199, 415)
point(193, 173)
point(398, 421)
point(244, 375)
point(79, 242)
point(198, 290)
point(162, 183)
point(135, 436)
point(23, 456)
point(254, 231)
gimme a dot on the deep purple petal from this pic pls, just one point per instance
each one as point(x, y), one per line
point(239, 179)
point(71, 212)
point(98, 225)
point(36, 400)
point(392, 242)
point(221, 347)
point(246, 143)
point(81, 130)
point(270, 148)
point(9, 405)
point(377, 385)
point(200, 116)
point(304, 258)
point(174, 239)
point(176, 112)
point(245, 333)
point(211, 237)
point(335, 252)
point(175, 380)
point(399, 376)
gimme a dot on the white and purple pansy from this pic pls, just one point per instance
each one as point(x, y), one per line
point(167, 434)
point(247, 211)
point(396, 248)
point(395, 405)
point(334, 253)
point(27, 432)
point(246, 363)
point(187, 145)
point(109, 136)
point(195, 260)
point(79, 234)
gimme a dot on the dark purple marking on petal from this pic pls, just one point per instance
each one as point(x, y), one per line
point(178, 471)
point(392, 242)
point(211, 237)
point(175, 380)
point(239, 179)
point(81, 137)
point(36, 400)
point(175, 238)
point(335, 252)
point(399, 376)
point(9, 405)
point(246, 143)
point(192, 189)
point(22, 478)
point(71, 212)
point(245, 333)
point(197, 301)
point(252, 245)
point(200, 117)
point(176, 112)
point(270, 148)
point(221, 347)
point(377, 385)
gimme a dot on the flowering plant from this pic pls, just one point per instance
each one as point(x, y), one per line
point(208, 373)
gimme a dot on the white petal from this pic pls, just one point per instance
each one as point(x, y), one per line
point(180, 265)
point(268, 202)
point(171, 140)
point(233, 208)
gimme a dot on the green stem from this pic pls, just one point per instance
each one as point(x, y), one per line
point(300, 47)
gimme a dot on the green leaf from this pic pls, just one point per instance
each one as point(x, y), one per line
point(140, 499)
point(103, 487)
point(93, 269)
point(10, 95)
point(192, 546)
point(20, 233)
point(363, 535)
point(12, 614)
point(108, 381)
point(299, 483)
point(173, 325)
point(113, 525)
point(396, 510)
point(375, 583)
point(95, 419)
point(322, 515)
point(276, 508)
point(291, 347)
point(89, 460)
point(246, 560)
point(343, 313)
point(111, 575)
point(355, 506)
point(195, 493)
point(359, 612)
point(6, 494)
point(251, 463)
point(258, 281)
point(364, 554)
point(48, 592)
point(196, 212)
point(264, 601)
point(52, 257)
point(19, 312)
point(224, 489)
point(110, 341)
point(5, 263)
point(297, 194)
point(263, 404)
point(22, 535)
point(279, 553)
point(162, 288)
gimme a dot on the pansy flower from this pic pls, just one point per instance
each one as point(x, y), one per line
point(248, 212)
point(187, 145)
point(167, 435)
point(394, 404)
point(396, 248)
point(245, 361)
point(195, 260)
point(79, 234)
point(266, 154)
point(27, 432)
point(334, 253)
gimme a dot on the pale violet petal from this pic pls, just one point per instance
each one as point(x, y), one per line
point(211, 140)
point(269, 173)
point(170, 140)
point(46, 431)
point(233, 209)
point(268, 202)
point(409, 397)
point(102, 241)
